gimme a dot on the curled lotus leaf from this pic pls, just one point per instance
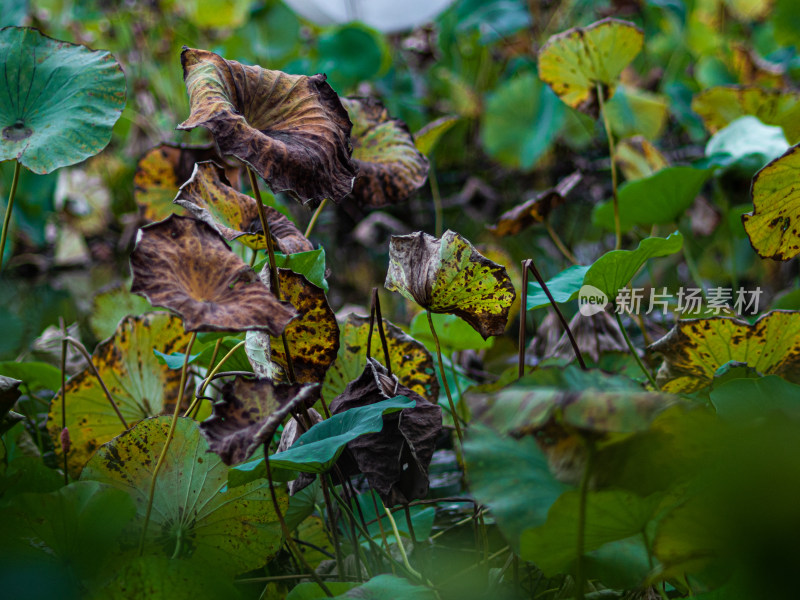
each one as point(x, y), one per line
point(396, 459)
point(162, 170)
point(410, 360)
point(313, 336)
point(535, 210)
point(249, 415)
point(774, 224)
point(182, 264)
point(694, 349)
point(60, 100)
point(574, 62)
point(140, 386)
point(209, 196)
point(448, 275)
point(291, 129)
point(390, 168)
point(231, 532)
point(721, 105)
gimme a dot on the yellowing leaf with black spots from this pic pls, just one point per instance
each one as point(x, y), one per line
point(721, 105)
point(209, 196)
point(249, 414)
point(695, 348)
point(140, 386)
point(774, 225)
point(291, 129)
point(390, 168)
point(233, 531)
point(448, 275)
point(182, 264)
point(577, 60)
point(314, 336)
point(410, 360)
point(162, 170)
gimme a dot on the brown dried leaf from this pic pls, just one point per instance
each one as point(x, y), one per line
point(182, 264)
point(292, 129)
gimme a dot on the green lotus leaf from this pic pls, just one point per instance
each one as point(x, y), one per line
point(695, 348)
point(61, 100)
point(638, 112)
point(183, 264)
point(291, 129)
point(577, 60)
point(448, 275)
point(113, 305)
point(140, 386)
point(427, 138)
point(233, 531)
point(390, 168)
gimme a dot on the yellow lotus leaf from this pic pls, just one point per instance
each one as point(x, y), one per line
point(637, 158)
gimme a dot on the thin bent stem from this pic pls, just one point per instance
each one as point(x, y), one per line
point(380, 526)
point(444, 380)
point(437, 200)
point(375, 313)
point(64, 395)
point(314, 217)
point(644, 369)
point(523, 321)
point(7, 219)
point(400, 545)
point(559, 243)
point(580, 576)
point(170, 434)
point(332, 524)
point(273, 267)
point(612, 157)
point(210, 376)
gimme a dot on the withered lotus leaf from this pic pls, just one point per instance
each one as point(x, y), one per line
point(249, 415)
point(535, 210)
point(395, 460)
point(448, 275)
point(390, 168)
point(410, 359)
point(313, 336)
point(291, 129)
point(209, 196)
point(163, 169)
point(182, 264)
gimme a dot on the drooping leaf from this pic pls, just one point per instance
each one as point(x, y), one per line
point(313, 337)
point(9, 394)
point(233, 531)
point(637, 112)
point(721, 105)
point(745, 144)
point(309, 264)
point(577, 60)
point(396, 459)
point(563, 287)
point(113, 305)
point(659, 199)
point(140, 386)
point(208, 195)
point(62, 100)
point(774, 224)
point(183, 264)
point(163, 169)
point(291, 129)
point(390, 168)
point(535, 210)
point(596, 335)
point(448, 275)
point(694, 349)
point(427, 138)
point(411, 362)
point(249, 414)
point(637, 158)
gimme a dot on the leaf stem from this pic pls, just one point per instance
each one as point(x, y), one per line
point(644, 369)
point(167, 441)
point(612, 157)
point(210, 376)
point(580, 576)
point(314, 217)
point(400, 545)
point(437, 199)
point(9, 207)
point(332, 524)
point(559, 243)
point(444, 380)
point(63, 393)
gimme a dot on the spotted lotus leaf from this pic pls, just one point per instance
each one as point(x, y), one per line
point(209, 196)
point(396, 459)
point(250, 413)
point(291, 129)
point(574, 62)
point(390, 168)
point(535, 210)
point(695, 348)
point(182, 264)
point(162, 170)
point(774, 224)
point(448, 275)
point(140, 386)
point(313, 336)
point(60, 100)
point(410, 360)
